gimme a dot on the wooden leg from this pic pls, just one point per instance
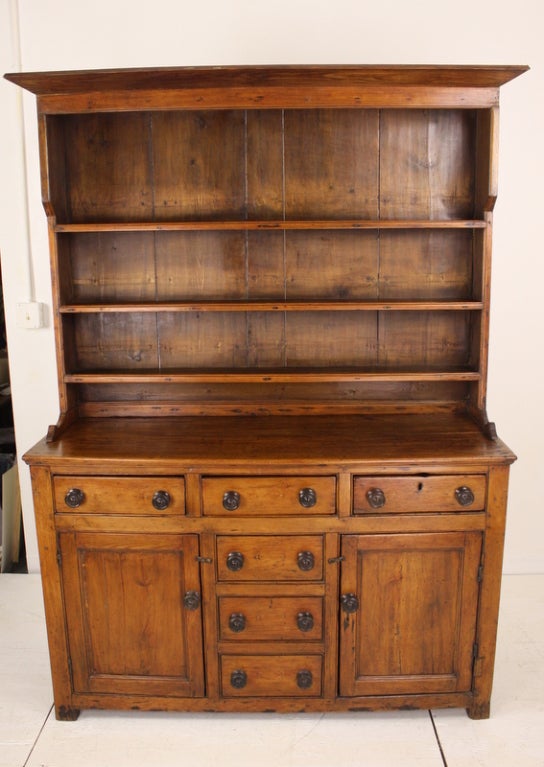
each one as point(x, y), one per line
point(65, 714)
point(479, 710)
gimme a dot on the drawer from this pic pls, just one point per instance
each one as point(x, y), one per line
point(271, 675)
point(249, 619)
point(270, 557)
point(268, 496)
point(396, 495)
point(119, 495)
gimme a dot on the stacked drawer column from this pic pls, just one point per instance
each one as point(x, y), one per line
point(274, 591)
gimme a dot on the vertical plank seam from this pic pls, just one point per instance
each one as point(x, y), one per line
point(246, 236)
point(283, 192)
point(378, 275)
point(151, 164)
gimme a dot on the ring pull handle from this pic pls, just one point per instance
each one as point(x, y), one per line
point(305, 621)
point(238, 679)
point(349, 603)
point(307, 497)
point(235, 561)
point(191, 600)
point(161, 500)
point(305, 561)
point(305, 679)
point(237, 622)
point(231, 500)
point(74, 497)
point(464, 496)
point(375, 497)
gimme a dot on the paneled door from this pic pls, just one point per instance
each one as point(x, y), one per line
point(133, 613)
point(408, 612)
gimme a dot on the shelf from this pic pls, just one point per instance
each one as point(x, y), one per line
point(252, 375)
point(273, 306)
point(264, 225)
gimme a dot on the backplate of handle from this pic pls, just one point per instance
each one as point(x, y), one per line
point(307, 497)
point(305, 679)
point(237, 622)
point(464, 496)
point(74, 497)
point(160, 500)
point(235, 561)
point(375, 497)
point(305, 621)
point(231, 500)
point(305, 561)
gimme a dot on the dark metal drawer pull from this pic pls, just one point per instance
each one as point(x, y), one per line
point(305, 621)
point(161, 500)
point(305, 679)
point(349, 602)
point(464, 496)
point(305, 560)
point(307, 497)
point(231, 500)
point(237, 622)
point(74, 497)
point(235, 561)
point(375, 497)
point(191, 600)
point(238, 679)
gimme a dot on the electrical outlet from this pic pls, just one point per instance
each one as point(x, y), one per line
point(29, 315)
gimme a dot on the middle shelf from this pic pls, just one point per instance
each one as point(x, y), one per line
point(270, 306)
point(283, 224)
point(274, 271)
point(252, 375)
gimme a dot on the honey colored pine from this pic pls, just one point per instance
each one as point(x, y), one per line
point(273, 484)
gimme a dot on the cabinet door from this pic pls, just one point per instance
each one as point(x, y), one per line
point(133, 613)
point(408, 616)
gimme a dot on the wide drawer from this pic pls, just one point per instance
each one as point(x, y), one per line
point(268, 496)
point(270, 618)
point(397, 495)
point(119, 495)
point(270, 557)
point(270, 675)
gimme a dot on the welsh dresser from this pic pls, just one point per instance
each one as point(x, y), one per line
point(273, 485)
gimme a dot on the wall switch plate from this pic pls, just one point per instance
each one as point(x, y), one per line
point(29, 315)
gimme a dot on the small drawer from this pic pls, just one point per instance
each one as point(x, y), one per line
point(271, 675)
point(397, 495)
point(270, 557)
point(265, 619)
point(268, 496)
point(119, 495)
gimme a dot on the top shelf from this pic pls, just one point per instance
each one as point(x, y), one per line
point(267, 225)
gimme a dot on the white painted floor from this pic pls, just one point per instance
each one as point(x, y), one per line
point(30, 736)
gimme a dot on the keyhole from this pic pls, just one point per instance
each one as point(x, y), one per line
point(420, 487)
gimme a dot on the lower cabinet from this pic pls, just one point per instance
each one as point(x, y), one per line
point(156, 605)
point(133, 612)
point(408, 619)
point(408, 608)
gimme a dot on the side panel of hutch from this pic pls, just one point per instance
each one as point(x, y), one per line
point(273, 484)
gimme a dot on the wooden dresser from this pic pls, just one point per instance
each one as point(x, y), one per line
point(273, 485)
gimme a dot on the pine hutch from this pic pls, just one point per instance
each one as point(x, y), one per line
point(273, 484)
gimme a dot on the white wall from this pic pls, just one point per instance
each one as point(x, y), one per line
point(70, 34)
